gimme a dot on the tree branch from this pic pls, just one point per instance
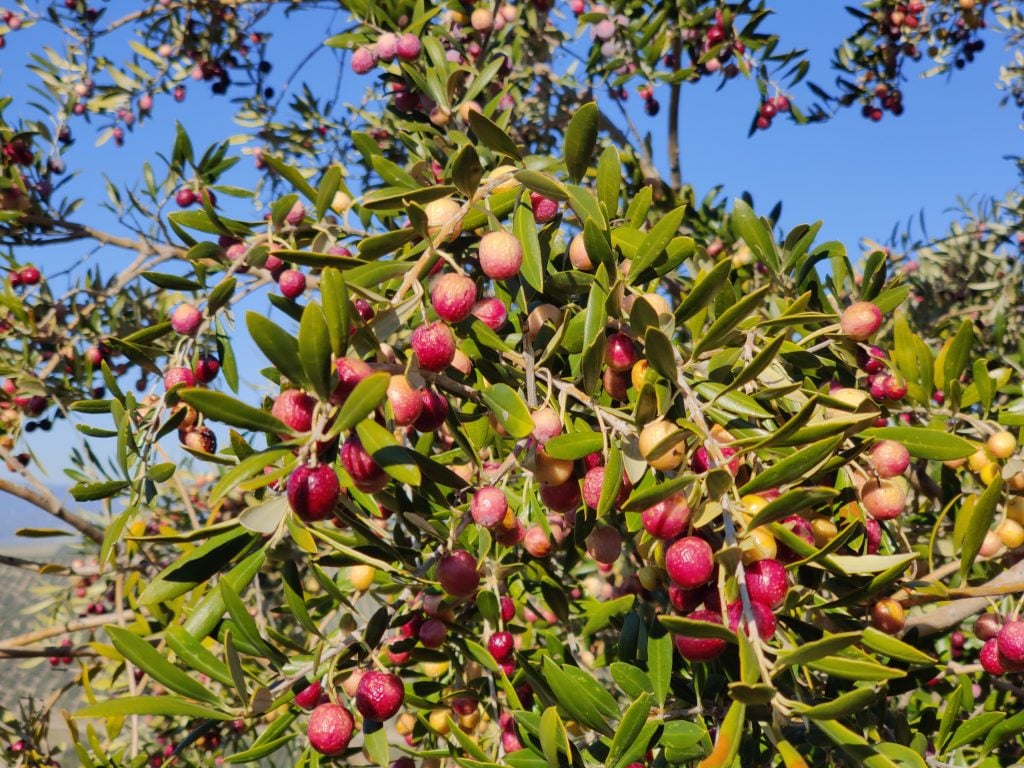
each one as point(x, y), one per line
point(51, 504)
point(953, 613)
point(83, 231)
point(77, 625)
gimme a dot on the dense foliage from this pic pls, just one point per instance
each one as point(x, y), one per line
point(553, 460)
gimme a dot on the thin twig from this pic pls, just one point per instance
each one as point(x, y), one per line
point(68, 627)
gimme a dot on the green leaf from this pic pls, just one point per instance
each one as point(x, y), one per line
point(728, 320)
point(974, 728)
point(706, 288)
point(292, 175)
point(375, 246)
point(609, 180)
point(654, 244)
point(862, 564)
point(981, 516)
point(329, 185)
point(467, 171)
point(755, 233)
point(594, 691)
point(97, 491)
point(905, 757)
point(611, 481)
point(580, 140)
point(983, 383)
point(595, 241)
point(816, 649)
point(855, 669)
point(636, 213)
point(542, 183)
point(226, 409)
point(509, 409)
point(727, 743)
point(315, 349)
point(263, 747)
point(596, 318)
point(633, 681)
point(524, 227)
point(220, 295)
point(792, 502)
point(249, 467)
point(210, 610)
point(196, 655)
point(599, 613)
point(643, 498)
point(150, 705)
point(234, 662)
point(392, 457)
point(467, 742)
point(42, 533)
point(873, 277)
point(751, 370)
point(584, 203)
point(630, 726)
point(320, 260)
point(171, 282)
point(155, 664)
point(243, 622)
point(855, 745)
point(660, 353)
point(798, 465)
point(842, 706)
point(400, 198)
point(684, 740)
point(574, 445)
point(659, 664)
point(361, 402)
point(1009, 728)
point(492, 136)
point(894, 648)
point(161, 473)
point(736, 403)
point(265, 517)
point(680, 625)
point(577, 702)
point(925, 443)
point(553, 737)
point(950, 715)
point(377, 747)
point(956, 355)
point(482, 655)
point(195, 567)
point(337, 309)
point(280, 347)
point(750, 671)
point(753, 694)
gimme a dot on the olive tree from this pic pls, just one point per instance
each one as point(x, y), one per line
point(553, 460)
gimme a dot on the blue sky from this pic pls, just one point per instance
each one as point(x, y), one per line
point(859, 177)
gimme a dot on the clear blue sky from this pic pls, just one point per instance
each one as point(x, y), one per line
point(859, 177)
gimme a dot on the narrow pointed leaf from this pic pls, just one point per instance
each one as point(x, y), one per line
point(580, 140)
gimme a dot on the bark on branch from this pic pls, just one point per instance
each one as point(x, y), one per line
point(50, 503)
point(953, 613)
point(78, 625)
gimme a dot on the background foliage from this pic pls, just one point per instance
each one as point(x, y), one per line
point(207, 597)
